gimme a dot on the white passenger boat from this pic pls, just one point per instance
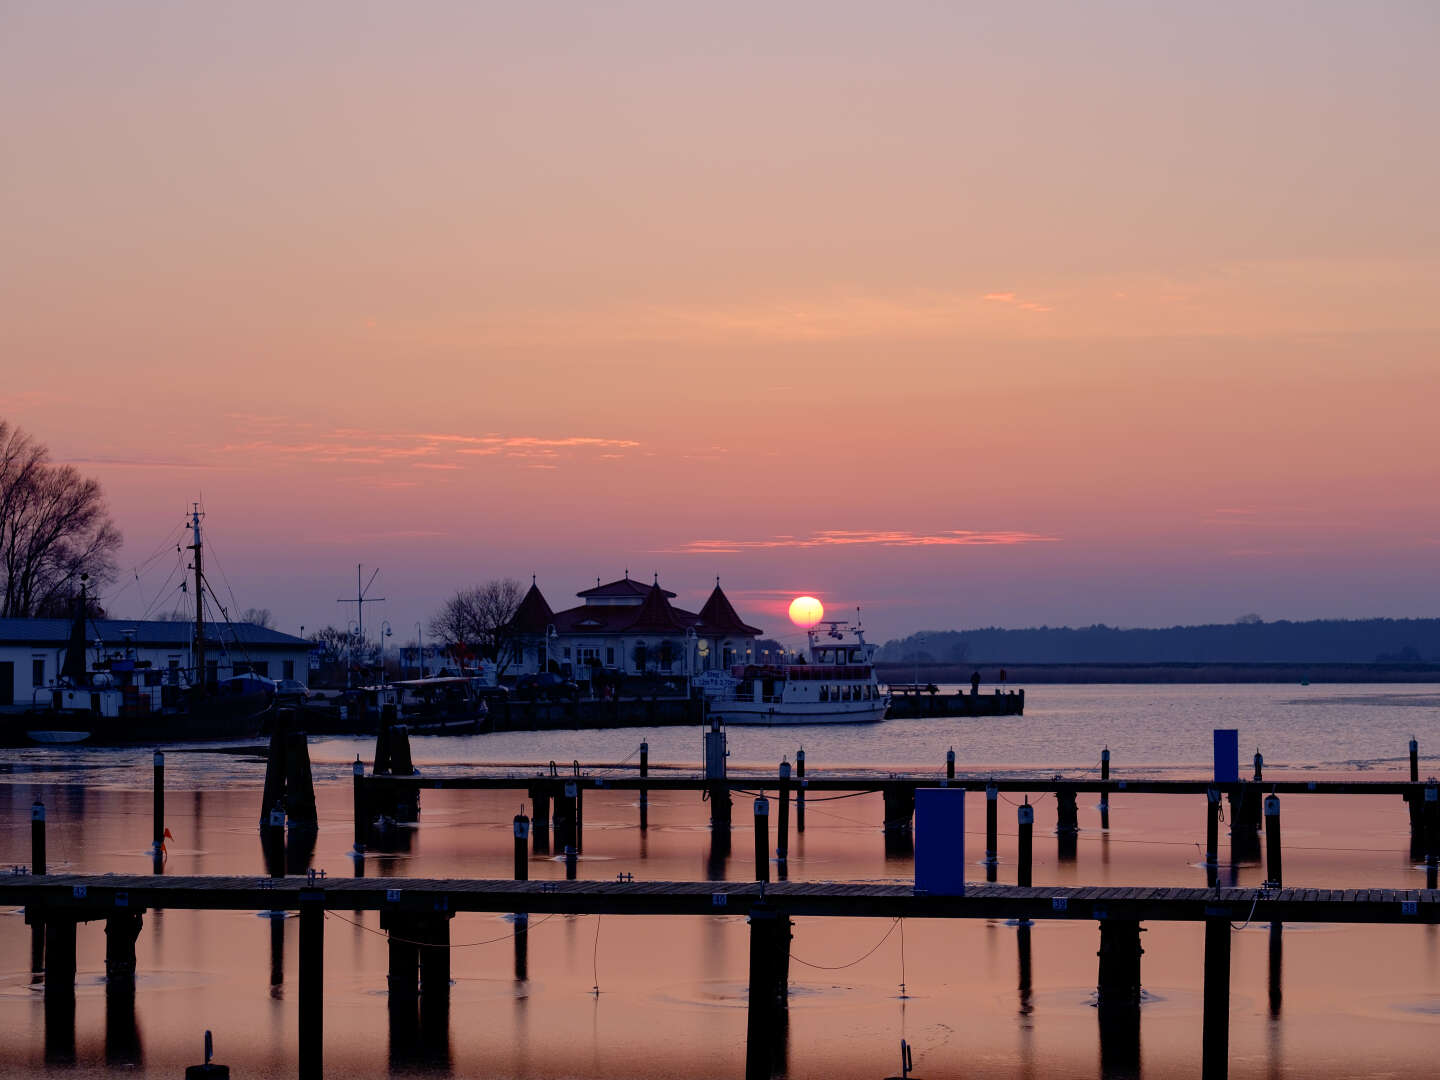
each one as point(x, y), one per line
point(836, 684)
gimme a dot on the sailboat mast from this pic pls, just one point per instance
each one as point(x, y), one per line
point(199, 597)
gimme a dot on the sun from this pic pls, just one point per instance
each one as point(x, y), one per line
point(806, 611)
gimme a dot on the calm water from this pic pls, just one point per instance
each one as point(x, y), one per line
point(1341, 1001)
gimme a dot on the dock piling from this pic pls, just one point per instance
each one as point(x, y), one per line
point(522, 845)
point(571, 861)
point(1105, 795)
point(762, 839)
point(158, 824)
point(59, 953)
point(404, 956)
point(1067, 813)
point(1272, 841)
point(1118, 983)
point(992, 814)
point(782, 826)
point(1259, 766)
point(1432, 834)
point(800, 791)
point(37, 838)
point(1212, 837)
point(1414, 761)
point(565, 815)
point(1215, 1053)
point(899, 800)
point(950, 764)
point(1025, 844)
point(540, 802)
point(644, 792)
point(362, 821)
point(121, 930)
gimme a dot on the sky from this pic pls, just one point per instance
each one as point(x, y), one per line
point(965, 314)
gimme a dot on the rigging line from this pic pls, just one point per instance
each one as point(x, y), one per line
point(852, 963)
point(432, 945)
point(179, 564)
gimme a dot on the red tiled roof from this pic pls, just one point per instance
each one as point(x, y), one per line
point(718, 617)
point(626, 586)
point(656, 615)
point(533, 615)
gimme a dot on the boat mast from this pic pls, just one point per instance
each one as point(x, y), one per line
point(195, 546)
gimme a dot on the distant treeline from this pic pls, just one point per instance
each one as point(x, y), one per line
point(1247, 641)
point(1019, 675)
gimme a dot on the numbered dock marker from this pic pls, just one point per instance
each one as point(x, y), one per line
point(392, 895)
point(1059, 903)
point(719, 899)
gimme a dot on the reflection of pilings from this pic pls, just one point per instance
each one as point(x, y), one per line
point(1215, 1053)
point(767, 1027)
point(277, 952)
point(1118, 997)
point(299, 847)
point(122, 1033)
point(60, 1024)
point(1022, 943)
point(522, 948)
point(312, 986)
point(1277, 958)
point(1066, 845)
point(719, 853)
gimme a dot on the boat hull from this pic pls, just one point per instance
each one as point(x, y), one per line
point(792, 713)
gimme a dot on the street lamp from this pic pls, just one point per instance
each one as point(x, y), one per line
point(352, 632)
point(420, 648)
point(551, 635)
point(385, 632)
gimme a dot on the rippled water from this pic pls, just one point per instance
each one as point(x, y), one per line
point(1351, 1000)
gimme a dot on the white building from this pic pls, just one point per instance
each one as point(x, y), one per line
point(628, 628)
point(33, 650)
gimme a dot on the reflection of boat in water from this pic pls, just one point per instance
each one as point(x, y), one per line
point(836, 686)
point(122, 698)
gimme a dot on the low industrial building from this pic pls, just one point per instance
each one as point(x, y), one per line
point(33, 650)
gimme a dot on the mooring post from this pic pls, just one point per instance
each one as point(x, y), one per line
point(565, 815)
point(540, 801)
point(158, 826)
point(210, 1070)
point(782, 826)
point(579, 813)
point(992, 830)
point(571, 862)
point(899, 802)
point(404, 955)
point(37, 837)
point(1259, 766)
point(950, 764)
point(1067, 814)
point(121, 930)
point(435, 955)
point(1119, 976)
point(312, 984)
point(1105, 795)
point(800, 791)
point(1212, 837)
point(1272, 841)
point(1414, 761)
point(1025, 844)
point(362, 821)
point(644, 791)
point(522, 846)
point(769, 955)
point(762, 839)
point(1215, 1055)
point(299, 783)
point(1432, 834)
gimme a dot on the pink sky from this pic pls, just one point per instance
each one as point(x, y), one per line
point(972, 315)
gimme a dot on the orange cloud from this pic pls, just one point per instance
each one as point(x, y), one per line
point(892, 538)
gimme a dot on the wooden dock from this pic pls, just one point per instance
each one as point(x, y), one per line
point(417, 912)
point(94, 896)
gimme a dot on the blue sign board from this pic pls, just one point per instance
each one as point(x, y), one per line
point(940, 841)
point(1227, 755)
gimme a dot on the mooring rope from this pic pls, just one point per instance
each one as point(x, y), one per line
point(852, 963)
point(436, 945)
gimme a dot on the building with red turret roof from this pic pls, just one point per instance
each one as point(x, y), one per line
point(626, 627)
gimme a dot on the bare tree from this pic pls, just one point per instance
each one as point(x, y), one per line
point(334, 641)
point(54, 526)
point(476, 621)
point(259, 616)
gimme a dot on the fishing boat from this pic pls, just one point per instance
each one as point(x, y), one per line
point(440, 705)
point(121, 698)
point(836, 684)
